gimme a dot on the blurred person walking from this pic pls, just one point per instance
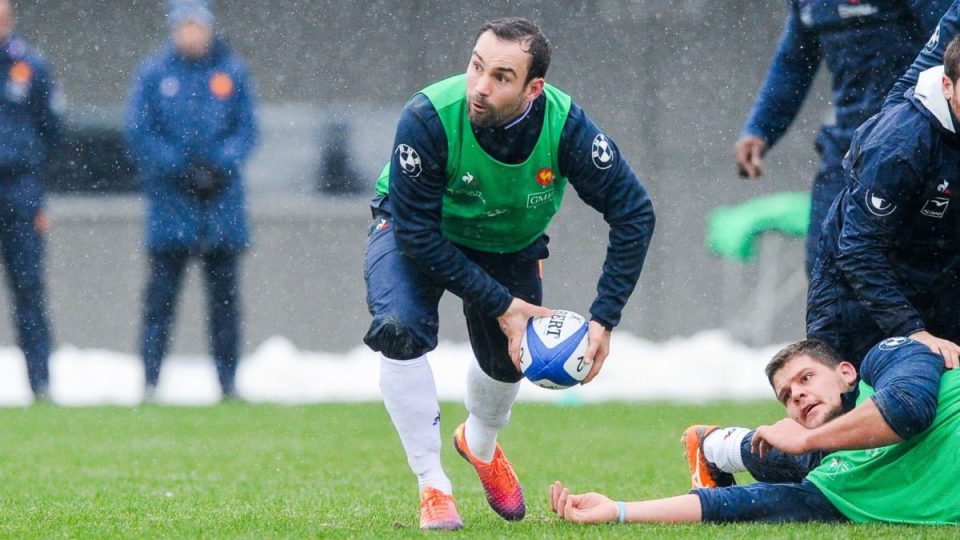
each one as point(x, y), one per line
point(190, 127)
point(29, 130)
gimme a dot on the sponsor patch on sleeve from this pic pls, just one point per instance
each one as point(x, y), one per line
point(877, 205)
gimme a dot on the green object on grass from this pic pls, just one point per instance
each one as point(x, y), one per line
point(732, 230)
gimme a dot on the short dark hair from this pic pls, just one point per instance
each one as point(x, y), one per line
point(525, 32)
point(814, 348)
point(951, 59)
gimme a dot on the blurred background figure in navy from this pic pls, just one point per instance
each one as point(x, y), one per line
point(866, 45)
point(29, 130)
point(190, 127)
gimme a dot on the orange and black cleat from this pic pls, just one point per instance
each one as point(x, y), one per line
point(703, 474)
point(499, 481)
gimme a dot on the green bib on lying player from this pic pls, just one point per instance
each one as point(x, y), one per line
point(488, 205)
point(913, 481)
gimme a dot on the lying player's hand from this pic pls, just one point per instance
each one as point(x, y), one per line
point(586, 508)
point(513, 323)
point(598, 348)
point(748, 153)
point(786, 435)
point(947, 349)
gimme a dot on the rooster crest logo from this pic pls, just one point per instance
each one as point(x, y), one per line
point(545, 176)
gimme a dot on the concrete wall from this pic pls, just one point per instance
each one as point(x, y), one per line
point(670, 81)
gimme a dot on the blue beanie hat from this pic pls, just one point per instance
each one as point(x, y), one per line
point(181, 11)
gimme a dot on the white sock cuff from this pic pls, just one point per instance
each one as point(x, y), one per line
point(408, 363)
point(723, 447)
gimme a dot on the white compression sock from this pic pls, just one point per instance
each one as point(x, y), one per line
point(410, 397)
point(722, 448)
point(488, 401)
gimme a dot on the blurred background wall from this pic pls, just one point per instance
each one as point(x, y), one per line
point(670, 81)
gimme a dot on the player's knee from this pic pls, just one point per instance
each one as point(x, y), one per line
point(395, 339)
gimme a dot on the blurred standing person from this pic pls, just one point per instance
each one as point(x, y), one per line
point(29, 129)
point(190, 126)
point(866, 45)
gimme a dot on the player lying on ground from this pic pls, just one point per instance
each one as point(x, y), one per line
point(888, 258)
point(894, 452)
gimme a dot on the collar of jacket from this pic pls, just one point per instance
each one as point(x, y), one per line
point(929, 93)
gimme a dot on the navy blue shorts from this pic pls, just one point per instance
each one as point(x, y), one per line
point(403, 300)
point(776, 503)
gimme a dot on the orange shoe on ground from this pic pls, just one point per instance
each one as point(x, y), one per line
point(703, 474)
point(499, 481)
point(438, 511)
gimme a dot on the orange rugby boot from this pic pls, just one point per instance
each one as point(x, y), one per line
point(703, 474)
point(438, 511)
point(499, 481)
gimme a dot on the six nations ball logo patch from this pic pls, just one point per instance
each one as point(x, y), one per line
point(601, 152)
point(892, 343)
point(409, 160)
point(878, 206)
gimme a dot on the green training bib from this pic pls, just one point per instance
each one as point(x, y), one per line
point(489, 205)
point(913, 481)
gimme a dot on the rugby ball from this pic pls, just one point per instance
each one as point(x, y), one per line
point(552, 350)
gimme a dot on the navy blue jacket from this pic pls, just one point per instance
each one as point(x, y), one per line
point(930, 56)
point(186, 112)
point(29, 109)
point(892, 238)
point(614, 190)
point(865, 44)
point(905, 376)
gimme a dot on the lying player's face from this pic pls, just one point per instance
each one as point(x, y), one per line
point(496, 91)
point(811, 391)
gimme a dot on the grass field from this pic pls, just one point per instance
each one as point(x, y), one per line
point(337, 470)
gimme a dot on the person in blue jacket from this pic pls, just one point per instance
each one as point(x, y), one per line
point(889, 258)
point(865, 45)
point(29, 131)
point(888, 261)
point(930, 56)
point(190, 126)
point(479, 168)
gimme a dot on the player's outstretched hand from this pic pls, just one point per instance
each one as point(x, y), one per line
point(748, 153)
point(586, 508)
point(598, 348)
point(786, 435)
point(947, 349)
point(513, 323)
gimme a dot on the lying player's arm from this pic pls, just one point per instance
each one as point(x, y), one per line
point(906, 386)
point(598, 508)
point(863, 427)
